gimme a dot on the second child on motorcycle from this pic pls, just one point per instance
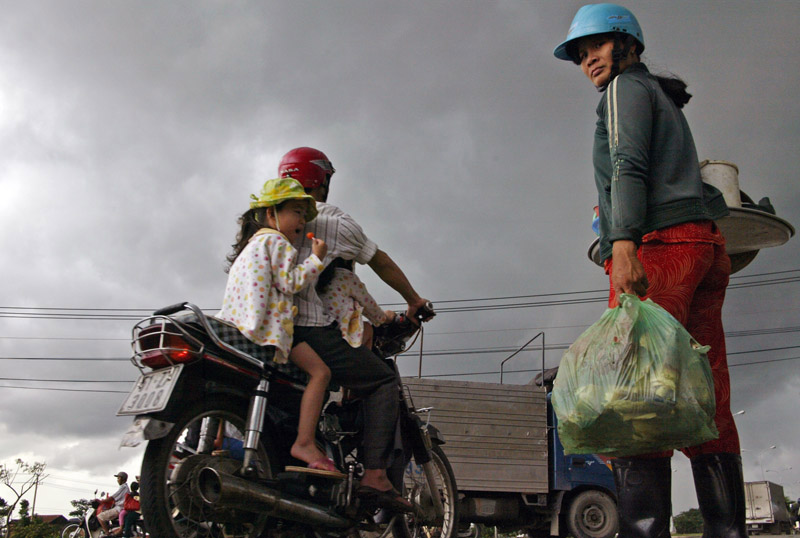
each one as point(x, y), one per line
point(262, 280)
point(346, 298)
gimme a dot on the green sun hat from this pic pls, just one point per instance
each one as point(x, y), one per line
point(279, 190)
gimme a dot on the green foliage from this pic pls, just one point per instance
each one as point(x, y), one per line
point(35, 528)
point(690, 521)
point(4, 509)
point(80, 507)
point(24, 512)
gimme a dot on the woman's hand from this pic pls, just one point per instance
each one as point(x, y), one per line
point(319, 247)
point(627, 275)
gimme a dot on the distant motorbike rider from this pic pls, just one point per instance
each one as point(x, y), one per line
point(119, 498)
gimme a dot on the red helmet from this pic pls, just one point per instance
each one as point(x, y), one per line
point(309, 166)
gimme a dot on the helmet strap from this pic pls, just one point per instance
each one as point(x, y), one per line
point(274, 209)
point(622, 47)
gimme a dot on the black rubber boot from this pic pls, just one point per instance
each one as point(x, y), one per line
point(644, 488)
point(719, 484)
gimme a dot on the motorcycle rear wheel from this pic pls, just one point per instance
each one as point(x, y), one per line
point(169, 507)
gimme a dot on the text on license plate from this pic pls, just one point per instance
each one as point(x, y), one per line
point(151, 392)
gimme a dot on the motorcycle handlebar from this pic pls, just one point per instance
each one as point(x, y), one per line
point(425, 312)
point(390, 338)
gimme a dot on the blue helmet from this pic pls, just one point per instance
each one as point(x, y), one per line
point(594, 19)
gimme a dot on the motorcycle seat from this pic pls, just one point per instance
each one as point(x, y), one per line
point(229, 334)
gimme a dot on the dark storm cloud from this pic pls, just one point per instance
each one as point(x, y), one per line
point(133, 134)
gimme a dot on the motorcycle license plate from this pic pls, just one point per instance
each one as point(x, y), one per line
point(151, 392)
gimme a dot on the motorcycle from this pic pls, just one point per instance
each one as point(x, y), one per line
point(219, 423)
point(88, 526)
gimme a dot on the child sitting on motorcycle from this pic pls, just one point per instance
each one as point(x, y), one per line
point(262, 279)
point(346, 298)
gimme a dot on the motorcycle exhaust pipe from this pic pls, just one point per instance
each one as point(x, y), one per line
point(222, 490)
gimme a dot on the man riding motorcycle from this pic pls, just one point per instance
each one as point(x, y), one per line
point(357, 369)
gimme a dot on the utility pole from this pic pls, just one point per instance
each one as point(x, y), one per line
point(35, 490)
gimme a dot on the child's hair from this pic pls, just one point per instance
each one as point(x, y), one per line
point(134, 487)
point(326, 275)
point(249, 223)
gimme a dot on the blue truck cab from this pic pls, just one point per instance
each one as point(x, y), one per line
point(582, 485)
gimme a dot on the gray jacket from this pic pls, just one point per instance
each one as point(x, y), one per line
point(645, 163)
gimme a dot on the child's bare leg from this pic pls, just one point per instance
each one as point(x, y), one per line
point(306, 359)
point(366, 337)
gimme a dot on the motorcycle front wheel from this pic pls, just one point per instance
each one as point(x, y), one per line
point(73, 530)
point(170, 505)
point(425, 524)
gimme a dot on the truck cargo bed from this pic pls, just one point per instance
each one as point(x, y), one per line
point(495, 435)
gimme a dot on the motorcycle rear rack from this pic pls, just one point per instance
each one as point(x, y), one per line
point(183, 331)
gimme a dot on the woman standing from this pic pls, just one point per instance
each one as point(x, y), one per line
point(658, 240)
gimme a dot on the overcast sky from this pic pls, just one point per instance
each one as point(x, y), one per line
point(132, 134)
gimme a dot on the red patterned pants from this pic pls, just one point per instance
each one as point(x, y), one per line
point(688, 271)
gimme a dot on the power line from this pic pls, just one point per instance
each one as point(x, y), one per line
point(64, 359)
point(79, 313)
point(429, 354)
point(787, 280)
point(531, 370)
point(552, 347)
point(66, 380)
point(64, 390)
point(83, 339)
point(474, 351)
point(71, 314)
point(762, 350)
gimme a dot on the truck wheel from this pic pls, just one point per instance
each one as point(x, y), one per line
point(592, 514)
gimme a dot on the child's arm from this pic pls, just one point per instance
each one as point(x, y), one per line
point(358, 291)
point(286, 276)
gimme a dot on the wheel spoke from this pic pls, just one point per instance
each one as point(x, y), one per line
point(428, 524)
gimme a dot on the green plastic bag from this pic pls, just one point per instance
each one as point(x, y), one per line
point(634, 382)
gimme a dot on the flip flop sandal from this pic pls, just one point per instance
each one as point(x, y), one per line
point(334, 475)
point(323, 464)
point(389, 499)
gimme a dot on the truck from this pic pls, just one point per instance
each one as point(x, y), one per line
point(766, 510)
point(510, 468)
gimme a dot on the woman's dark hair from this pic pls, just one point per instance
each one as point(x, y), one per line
point(675, 89)
point(326, 275)
point(249, 223)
